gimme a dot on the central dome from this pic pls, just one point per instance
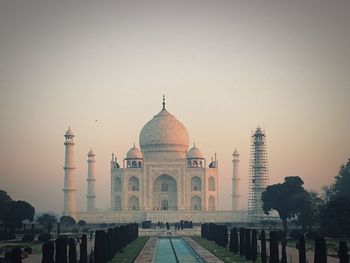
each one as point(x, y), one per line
point(164, 133)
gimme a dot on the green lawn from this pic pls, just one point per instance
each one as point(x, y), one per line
point(222, 253)
point(131, 251)
point(35, 245)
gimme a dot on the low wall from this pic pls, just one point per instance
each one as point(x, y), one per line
point(165, 216)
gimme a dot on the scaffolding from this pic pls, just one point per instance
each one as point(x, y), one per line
point(258, 179)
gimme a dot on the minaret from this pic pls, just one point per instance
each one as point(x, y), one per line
point(236, 204)
point(259, 177)
point(91, 197)
point(69, 189)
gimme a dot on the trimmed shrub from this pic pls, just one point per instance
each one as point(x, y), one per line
point(48, 251)
point(231, 241)
point(99, 255)
point(248, 245)
point(254, 245)
point(320, 250)
point(16, 255)
point(241, 242)
point(83, 249)
point(235, 241)
point(72, 251)
point(273, 247)
point(61, 250)
point(302, 250)
point(263, 246)
point(343, 252)
point(284, 252)
point(146, 224)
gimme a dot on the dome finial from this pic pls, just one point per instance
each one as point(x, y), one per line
point(134, 145)
point(163, 102)
point(194, 144)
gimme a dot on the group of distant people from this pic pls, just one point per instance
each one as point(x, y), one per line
point(178, 225)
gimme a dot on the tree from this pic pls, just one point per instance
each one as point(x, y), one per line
point(4, 200)
point(341, 185)
point(81, 223)
point(67, 220)
point(47, 220)
point(16, 212)
point(286, 198)
point(309, 213)
point(335, 216)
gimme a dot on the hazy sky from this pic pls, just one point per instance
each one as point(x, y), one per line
point(225, 66)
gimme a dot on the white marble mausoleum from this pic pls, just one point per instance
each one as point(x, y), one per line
point(164, 180)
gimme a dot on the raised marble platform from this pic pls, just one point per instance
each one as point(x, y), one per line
point(196, 216)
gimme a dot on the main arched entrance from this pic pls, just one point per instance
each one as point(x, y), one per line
point(164, 193)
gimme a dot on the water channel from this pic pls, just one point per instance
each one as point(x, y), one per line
point(174, 250)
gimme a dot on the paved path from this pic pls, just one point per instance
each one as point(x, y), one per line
point(147, 252)
point(293, 256)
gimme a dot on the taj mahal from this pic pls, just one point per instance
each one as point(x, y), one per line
point(164, 180)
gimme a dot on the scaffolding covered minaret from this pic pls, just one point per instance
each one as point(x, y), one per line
point(259, 178)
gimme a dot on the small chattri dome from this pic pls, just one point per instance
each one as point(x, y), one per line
point(69, 132)
point(134, 153)
point(194, 153)
point(91, 153)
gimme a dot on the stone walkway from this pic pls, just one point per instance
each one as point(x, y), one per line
point(293, 256)
point(147, 252)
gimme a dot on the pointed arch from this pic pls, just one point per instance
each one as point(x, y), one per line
point(211, 183)
point(196, 183)
point(196, 203)
point(117, 203)
point(133, 184)
point(211, 203)
point(134, 203)
point(117, 184)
